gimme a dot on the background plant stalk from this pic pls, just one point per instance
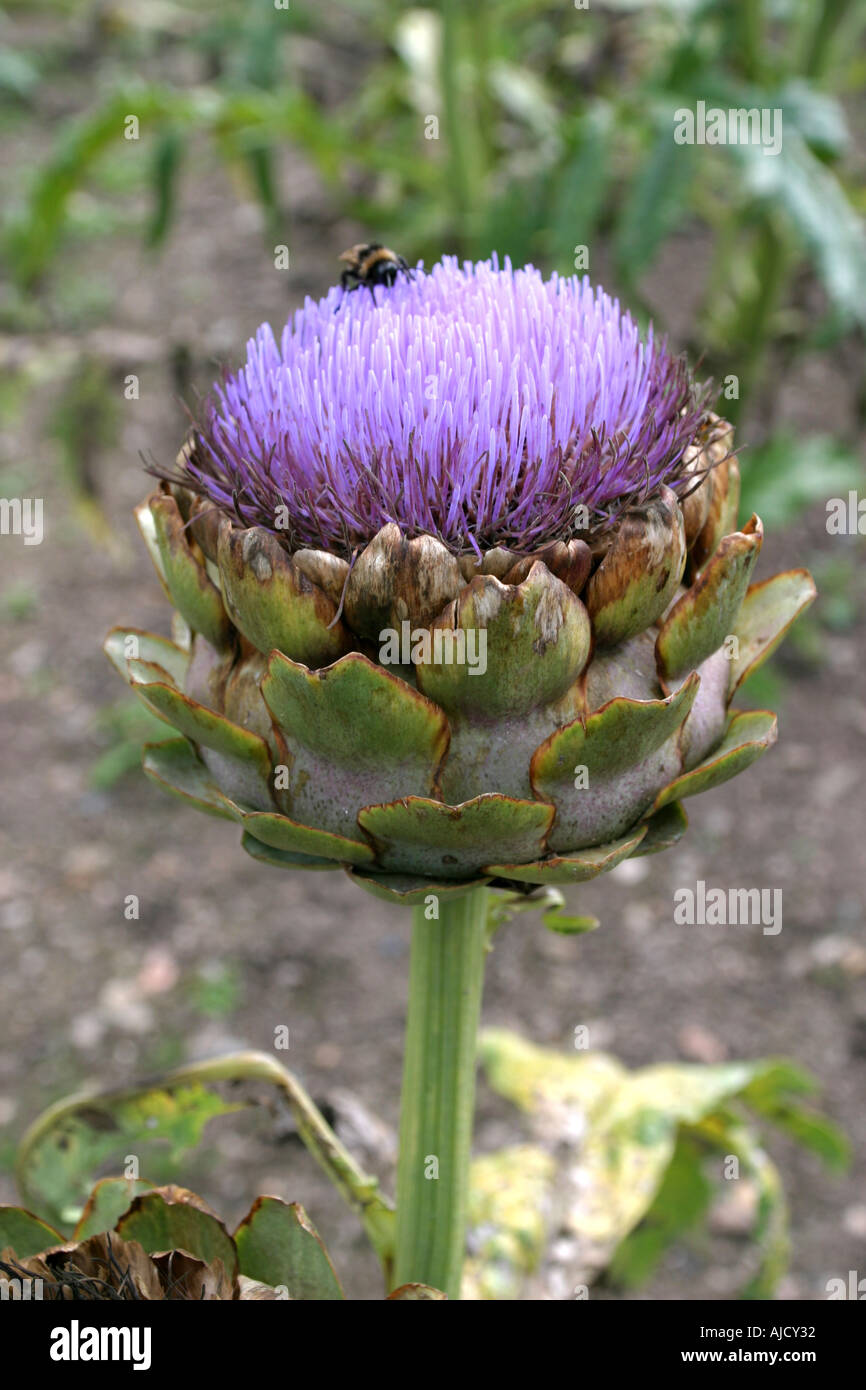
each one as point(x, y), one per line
point(438, 1100)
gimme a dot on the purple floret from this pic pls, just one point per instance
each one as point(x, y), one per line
point(476, 403)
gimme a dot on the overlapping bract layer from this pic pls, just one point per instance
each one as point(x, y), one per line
point(603, 702)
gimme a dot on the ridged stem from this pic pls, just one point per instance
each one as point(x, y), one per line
point(445, 981)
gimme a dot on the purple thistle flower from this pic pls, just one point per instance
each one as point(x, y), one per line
point(478, 404)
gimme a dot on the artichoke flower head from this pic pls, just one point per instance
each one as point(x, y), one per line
point(460, 590)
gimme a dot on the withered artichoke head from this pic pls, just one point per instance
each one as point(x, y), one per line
point(134, 1242)
point(461, 592)
point(145, 1256)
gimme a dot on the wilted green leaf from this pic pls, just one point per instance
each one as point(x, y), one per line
point(60, 1158)
point(25, 1233)
point(174, 1219)
point(279, 1245)
point(70, 1141)
point(509, 1201)
point(771, 1228)
point(809, 1128)
point(110, 1198)
point(681, 1201)
point(535, 1078)
point(632, 1179)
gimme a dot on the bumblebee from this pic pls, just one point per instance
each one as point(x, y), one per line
point(372, 264)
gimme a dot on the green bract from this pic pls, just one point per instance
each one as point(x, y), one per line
point(604, 699)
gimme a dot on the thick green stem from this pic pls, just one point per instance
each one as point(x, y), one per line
point(445, 981)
